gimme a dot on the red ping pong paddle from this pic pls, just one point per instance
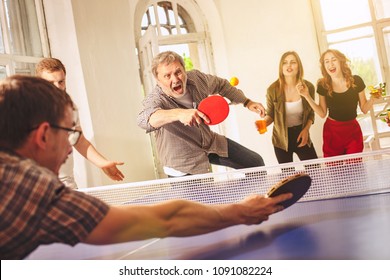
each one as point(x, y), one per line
point(215, 107)
point(297, 184)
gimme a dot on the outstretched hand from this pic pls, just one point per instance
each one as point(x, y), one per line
point(111, 170)
point(258, 208)
point(256, 107)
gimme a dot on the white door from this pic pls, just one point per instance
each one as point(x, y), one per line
point(148, 48)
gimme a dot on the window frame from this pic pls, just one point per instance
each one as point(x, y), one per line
point(377, 26)
point(8, 59)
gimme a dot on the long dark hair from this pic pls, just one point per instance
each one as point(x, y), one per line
point(280, 83)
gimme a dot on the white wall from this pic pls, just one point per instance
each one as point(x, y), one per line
point(63, 45)
point(94, 39)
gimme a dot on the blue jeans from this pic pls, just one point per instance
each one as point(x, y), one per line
point(238, 157)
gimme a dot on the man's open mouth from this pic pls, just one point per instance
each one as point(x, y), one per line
point(177, 88)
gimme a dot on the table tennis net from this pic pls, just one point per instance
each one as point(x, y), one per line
point(342, 176)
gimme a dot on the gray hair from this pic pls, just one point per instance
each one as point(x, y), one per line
point(167, 58)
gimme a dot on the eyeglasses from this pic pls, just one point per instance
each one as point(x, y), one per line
point(73, 134)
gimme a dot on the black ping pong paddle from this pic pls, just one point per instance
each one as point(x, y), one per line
point(215, 107)
point(297, 184)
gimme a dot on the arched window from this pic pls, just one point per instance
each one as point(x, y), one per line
point(167, 20)
point(177, 26)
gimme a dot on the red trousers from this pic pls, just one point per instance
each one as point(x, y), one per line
point(341, 138)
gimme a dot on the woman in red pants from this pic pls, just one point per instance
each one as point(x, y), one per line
point(340, 93)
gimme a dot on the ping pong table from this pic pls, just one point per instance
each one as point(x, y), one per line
point(345, 215)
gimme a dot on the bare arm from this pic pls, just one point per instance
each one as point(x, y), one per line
point(188, 117)
point(180, 218)
point(365, 105)
point(321, 108)
point(256, 107)
point(87, 150)
point(303, 136)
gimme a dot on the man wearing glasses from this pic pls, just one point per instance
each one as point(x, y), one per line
point(36, 133)
point(52, 70)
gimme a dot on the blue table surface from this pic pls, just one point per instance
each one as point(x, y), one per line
point(349, 228)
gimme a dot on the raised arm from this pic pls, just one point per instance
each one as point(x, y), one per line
point(180, 218)
point(256, 107)
point(321, 108)
point(364, 104)
point(188, 117)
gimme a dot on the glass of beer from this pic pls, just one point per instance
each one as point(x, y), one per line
point(261, 126)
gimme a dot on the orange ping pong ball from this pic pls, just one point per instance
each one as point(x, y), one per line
point(234, 81)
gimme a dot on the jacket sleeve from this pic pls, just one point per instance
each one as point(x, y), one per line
point(210, 84)
point(270, 102)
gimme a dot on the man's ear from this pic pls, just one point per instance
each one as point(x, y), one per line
point(42, 135)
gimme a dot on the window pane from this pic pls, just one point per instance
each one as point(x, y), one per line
point(386, 36)
point(364, 59)
point(2, 50)
point(342, 13)
point(165, 31)
point(145, 22)
point(24, 68)
point(350, 34)
point(181, 49)
point(23, 28)
point(3, 72)
point(161, 16)
point(171, 17)
point(382, 8)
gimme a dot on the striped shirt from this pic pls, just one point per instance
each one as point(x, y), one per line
point(36, 208)
point(186, 148)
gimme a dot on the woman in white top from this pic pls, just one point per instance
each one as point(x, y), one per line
point(291, 114)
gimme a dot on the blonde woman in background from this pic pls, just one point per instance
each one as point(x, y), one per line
point(291, 114)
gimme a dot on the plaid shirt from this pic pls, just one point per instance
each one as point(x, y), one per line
point(186, 148)
point(36, 208)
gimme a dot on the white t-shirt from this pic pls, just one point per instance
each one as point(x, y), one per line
point(294, 113)
point(66, 174)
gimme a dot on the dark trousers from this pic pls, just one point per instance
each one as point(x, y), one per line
point(304, 153)
point(238, 157)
